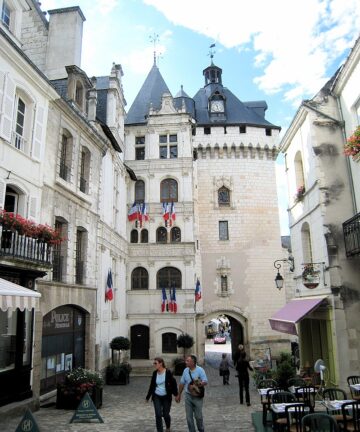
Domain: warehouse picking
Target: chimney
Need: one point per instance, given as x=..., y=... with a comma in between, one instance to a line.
x=64, y=41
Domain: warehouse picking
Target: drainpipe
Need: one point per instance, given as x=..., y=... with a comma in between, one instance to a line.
x=351, y=183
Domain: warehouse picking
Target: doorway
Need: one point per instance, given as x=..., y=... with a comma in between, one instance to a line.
x=139, y=348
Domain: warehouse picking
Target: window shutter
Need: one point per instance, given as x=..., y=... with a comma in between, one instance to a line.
x=32, y=207
x=2, y=83
x=7, y=108
x=38, y=132
x=2, y=193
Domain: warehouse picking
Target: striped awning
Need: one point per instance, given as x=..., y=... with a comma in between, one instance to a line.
x=14, y=296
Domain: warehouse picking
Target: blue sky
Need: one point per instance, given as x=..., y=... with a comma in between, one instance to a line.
x=281, y=51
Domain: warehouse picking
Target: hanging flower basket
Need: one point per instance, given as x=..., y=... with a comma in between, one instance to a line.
x=310, y=277
x=300, y=193
x=352, y=146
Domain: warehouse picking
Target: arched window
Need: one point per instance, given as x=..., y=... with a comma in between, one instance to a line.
x=175, y=234
x=224, y=197
x=139, y=279
x=168, y=277
x=299, y=171
x=134, y=236
x=168, y=190
x=169, y=343
x=140, y=191
x=161, y=235
x=144, y=236
x=306, y=243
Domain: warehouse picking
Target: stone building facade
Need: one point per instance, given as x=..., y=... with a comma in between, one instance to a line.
x=323, y=217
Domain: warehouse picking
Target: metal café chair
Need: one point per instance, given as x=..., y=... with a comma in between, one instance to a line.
x=319, y=422
x=296, y=382
x=294, y=415
x=279, y=419
x=351, y=409
x=306, y=395
x=263, y=384
x=333, y=393
x=354, y=379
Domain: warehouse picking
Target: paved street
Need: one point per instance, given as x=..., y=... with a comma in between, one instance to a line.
x=124, y=409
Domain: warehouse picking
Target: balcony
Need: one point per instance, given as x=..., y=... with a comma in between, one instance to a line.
x=16, y=246
x=351, y=230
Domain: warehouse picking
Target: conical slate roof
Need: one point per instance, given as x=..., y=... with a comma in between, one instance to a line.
x=151, y=92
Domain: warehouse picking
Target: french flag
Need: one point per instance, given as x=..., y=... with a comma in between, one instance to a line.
x=197, y=291
x=133, y=212
x=109, y=287
x=172, y=213
x=163, y=301
x=166, y=211
x=144, y=212
x=173, y=300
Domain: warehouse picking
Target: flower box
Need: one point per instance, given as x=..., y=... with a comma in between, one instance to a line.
x=68, y=397
x=310, y=277
x=352, y=146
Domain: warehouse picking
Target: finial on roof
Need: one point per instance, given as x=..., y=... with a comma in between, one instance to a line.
x=212, y=52
x=154, y=39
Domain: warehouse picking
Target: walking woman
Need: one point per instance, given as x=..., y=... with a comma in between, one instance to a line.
x=162, y=387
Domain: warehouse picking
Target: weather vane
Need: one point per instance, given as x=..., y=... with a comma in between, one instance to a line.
x=154, y=39
x=212, y=52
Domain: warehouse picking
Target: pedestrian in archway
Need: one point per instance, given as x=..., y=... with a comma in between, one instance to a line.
x=243, y=367
x=162, y=386
x=240, y=350
x=224, y=369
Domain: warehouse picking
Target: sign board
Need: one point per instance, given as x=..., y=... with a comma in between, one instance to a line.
x=28, y=423
x=86, y=411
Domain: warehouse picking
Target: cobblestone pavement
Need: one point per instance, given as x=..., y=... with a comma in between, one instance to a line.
x=124, y=410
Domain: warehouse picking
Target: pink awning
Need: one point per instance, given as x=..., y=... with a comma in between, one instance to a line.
x=285, y=319
x=14, y=296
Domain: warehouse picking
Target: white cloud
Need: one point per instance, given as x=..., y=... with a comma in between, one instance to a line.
x=295, y=41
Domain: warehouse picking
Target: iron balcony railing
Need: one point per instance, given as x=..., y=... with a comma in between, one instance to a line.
x=83, y=184
x=351, y=230
x=15, y=245
x=18, y=141
x=64, y=171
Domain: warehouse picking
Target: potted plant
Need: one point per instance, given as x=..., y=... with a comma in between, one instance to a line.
x=300, y=193
x=285, y=370
x=352, y=146
x=118, y=372
x=310, y=276
x=183, y=341
x=179, y=366
x=77, y=382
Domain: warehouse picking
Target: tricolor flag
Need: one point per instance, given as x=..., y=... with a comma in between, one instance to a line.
x=133, y=214
x=173, y=300
x=166, y=211
x=172, y=215
x=164, y=303
x=197, y=291
x=144, y=212
x=109, y=287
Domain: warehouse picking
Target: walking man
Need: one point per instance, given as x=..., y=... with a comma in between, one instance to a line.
x=193, y=380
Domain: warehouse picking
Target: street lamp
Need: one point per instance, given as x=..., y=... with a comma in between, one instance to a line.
x=279, y=280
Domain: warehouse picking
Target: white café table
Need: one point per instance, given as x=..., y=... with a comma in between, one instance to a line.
x=293, y=389
x=279, y=408
x=263, y=391
x=355, y=387
x=335, y=405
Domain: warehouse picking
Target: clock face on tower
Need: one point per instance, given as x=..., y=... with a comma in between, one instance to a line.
x=217, y=106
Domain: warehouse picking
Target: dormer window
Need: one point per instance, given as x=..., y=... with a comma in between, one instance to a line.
x=79, y=95
x=5, y=14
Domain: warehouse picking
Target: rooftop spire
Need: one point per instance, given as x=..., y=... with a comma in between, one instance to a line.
x=154, y=39
x=212, y=52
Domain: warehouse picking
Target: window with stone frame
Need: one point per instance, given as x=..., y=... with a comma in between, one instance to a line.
x=22, y=132
x=144, y=236
x=139, y=191
x=60, y=251
x=7, y=15
x=66, y=150
x=169, y=190
x=168, y=277
x=161, y=235
x=223, y=230
x=224, y=285
x=139, y=279
x=168, y=146
x=224, y=197
x=79, y=95
x=175, y=235
x=140, y=148
x=84, y=170
x=169, y=345
x=80, y=254
x=134, y=236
